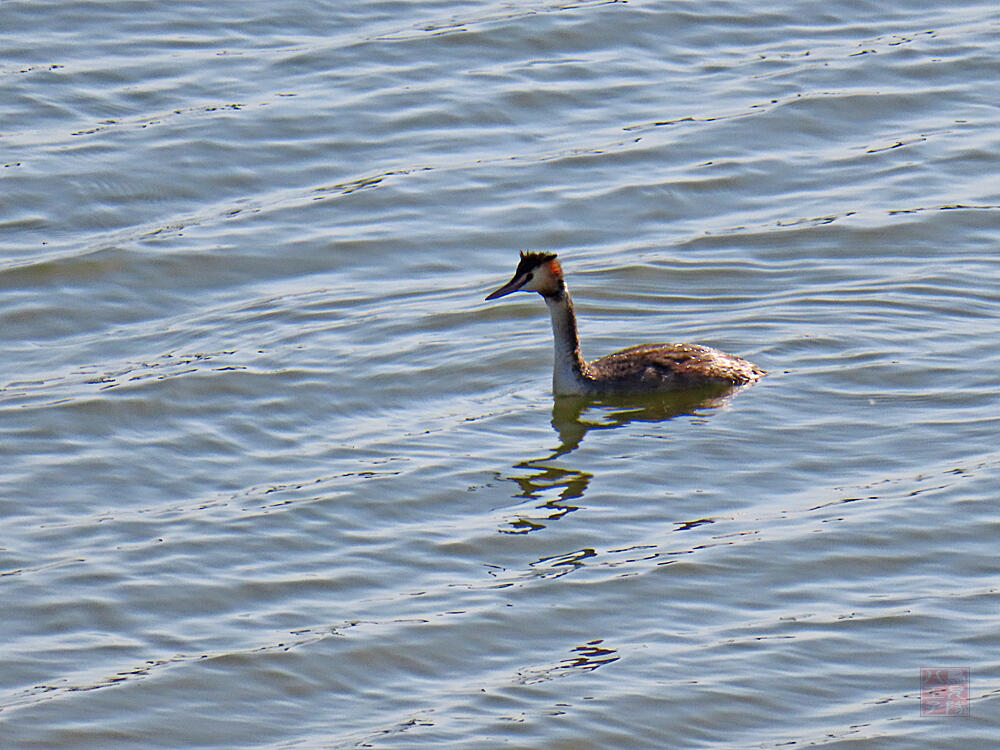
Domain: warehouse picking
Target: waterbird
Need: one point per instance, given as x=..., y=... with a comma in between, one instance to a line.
x=647, y=368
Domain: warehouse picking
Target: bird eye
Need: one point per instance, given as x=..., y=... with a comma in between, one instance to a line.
x=529, y=277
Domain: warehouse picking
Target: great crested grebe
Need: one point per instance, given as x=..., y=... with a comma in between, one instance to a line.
x=638, y=369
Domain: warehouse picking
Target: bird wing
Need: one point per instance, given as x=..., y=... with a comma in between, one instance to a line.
x=677, y=365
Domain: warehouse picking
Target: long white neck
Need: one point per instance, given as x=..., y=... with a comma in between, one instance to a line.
x=569, y=374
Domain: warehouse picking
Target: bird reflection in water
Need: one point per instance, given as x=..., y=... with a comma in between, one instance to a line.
x=542, y=482
x=572, y=421
x=572, y=418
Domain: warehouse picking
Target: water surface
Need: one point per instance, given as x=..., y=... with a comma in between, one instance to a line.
x=275, y=475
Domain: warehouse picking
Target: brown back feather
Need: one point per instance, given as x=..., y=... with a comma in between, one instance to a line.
x=674, y=365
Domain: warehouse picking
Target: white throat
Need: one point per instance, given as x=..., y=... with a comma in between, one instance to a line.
x=569, y=370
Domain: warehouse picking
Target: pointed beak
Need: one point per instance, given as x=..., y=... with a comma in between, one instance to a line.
x=511, y=286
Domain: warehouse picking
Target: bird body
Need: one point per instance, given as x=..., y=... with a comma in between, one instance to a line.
x=638, y=369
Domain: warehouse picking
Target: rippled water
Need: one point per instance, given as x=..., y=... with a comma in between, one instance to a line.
x=275, y=475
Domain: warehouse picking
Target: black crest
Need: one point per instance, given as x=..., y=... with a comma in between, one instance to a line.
x=531, y=261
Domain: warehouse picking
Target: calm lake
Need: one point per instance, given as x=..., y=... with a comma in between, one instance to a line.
x=275, y=475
